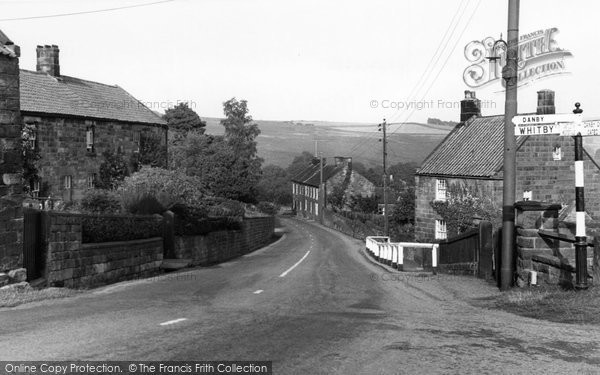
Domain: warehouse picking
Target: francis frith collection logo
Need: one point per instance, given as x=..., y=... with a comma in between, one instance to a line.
x=539, y=57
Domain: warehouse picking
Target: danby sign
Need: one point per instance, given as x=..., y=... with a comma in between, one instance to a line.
x=539, y=57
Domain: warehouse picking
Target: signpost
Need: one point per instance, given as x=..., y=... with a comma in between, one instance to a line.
x=567, y=125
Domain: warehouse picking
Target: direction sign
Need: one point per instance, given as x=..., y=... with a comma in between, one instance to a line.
x=546, y=124
x=522, y=120
x=584, y=128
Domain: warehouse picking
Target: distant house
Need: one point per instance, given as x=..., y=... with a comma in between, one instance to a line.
x=337, y=177
x=73, y=121
x=472, y=156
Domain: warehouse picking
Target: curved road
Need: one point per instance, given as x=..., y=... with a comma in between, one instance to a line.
x=311, y=303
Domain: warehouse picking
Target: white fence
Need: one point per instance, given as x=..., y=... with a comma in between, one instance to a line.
x=392, y=253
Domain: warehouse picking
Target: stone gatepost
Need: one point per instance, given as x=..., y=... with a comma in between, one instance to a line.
x=11, y=189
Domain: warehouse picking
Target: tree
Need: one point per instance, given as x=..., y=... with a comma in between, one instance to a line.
x=366, y=205
x=113, y=170
x=404, y=211
x=300, y=163
x=274, y=185
x=152, y=153
x=182, y=118
x=240, y=131
x=404, y=175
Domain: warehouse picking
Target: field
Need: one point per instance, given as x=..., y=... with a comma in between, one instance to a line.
x=280, y=141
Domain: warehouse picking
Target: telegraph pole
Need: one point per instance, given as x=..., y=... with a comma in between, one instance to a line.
x=382, y=127
x=509, y=73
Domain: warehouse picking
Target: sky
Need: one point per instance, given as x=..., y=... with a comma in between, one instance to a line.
x=347, y=61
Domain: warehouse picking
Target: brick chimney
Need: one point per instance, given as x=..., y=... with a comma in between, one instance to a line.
x=470, y=106
x=47, y=60
x=343, y=161
x=545, y=103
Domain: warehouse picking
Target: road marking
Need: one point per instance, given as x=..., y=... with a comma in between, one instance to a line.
x=259, y=291
x=295, y=265
x=173, y=321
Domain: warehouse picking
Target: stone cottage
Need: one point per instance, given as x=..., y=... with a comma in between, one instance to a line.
x=340, y=175
x=71, y=122
x=471, y=158
x=74, y=121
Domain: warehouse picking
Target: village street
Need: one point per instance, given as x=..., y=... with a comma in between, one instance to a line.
x=311, y=303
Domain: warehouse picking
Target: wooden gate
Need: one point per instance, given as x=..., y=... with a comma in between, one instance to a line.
x=33, y=252
x=470, y=252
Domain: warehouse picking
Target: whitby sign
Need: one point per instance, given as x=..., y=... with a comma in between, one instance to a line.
x=539, y=56
x=560, y=124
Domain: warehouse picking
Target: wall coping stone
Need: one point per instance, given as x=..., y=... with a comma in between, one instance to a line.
x=101, y=245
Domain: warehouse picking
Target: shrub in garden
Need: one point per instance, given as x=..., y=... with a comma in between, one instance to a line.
x=194, y=220
x=107, y=228
x=100, y=201
x=268, y=208
x=167, y=186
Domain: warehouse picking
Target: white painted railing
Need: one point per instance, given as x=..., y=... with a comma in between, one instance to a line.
x=392, y=253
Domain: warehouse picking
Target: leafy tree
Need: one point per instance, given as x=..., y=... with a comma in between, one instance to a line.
x=274, y=185
x=152, y=153
x=31, y=155
x=367, y=205
x=404, y=211
x=113, y=170
x=337, y=198
x=182, y=118
x=300, y=163
x=404, y=175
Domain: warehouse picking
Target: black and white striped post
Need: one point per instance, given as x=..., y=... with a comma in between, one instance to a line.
x=580, y=236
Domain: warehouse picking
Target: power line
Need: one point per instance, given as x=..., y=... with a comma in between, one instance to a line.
x=445, y=61
x=84, y=12
x=443, y=42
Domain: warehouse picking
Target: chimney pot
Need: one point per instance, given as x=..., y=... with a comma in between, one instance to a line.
x=470, y=106
x=47, y=60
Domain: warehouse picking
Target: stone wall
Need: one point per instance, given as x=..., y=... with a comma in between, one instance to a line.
x=11, y=213
x=220, y=246
x=63, y=151
x=72, y=264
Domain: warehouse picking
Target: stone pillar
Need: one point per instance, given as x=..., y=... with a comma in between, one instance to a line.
x=11, y=189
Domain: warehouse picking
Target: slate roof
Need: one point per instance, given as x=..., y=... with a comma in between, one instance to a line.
x=475, y=150
x=63, y=95
x=312, y=176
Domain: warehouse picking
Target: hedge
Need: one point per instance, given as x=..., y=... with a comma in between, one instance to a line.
x=107, y=228
x=193, y=221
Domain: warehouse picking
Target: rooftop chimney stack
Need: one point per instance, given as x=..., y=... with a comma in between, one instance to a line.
x=545, y=104
x=47, y=60
x=470, y=106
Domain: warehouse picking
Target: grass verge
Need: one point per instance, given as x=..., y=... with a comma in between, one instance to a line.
x=15, y=297
x=553, y=303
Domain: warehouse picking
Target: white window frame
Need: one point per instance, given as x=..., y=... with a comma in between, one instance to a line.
x=68, y=182
x=91, y=181
x=441, y=232
x=441, y=190
x=137, y=141
x=35, y=191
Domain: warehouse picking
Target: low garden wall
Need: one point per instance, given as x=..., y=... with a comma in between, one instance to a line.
x=220, y=246
x=74, y=264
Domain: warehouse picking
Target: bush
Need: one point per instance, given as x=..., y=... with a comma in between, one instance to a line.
x=100, y=201
x=107, y=228
x=268, y=208
x=192, y=221
x=168, y=187
x=222, y=207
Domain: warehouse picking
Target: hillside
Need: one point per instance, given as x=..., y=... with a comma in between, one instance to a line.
x=280, y=141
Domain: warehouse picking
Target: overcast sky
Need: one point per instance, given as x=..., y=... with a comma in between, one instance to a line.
x=305, y=59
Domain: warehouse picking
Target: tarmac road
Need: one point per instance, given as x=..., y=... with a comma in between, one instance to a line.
x=311, y=303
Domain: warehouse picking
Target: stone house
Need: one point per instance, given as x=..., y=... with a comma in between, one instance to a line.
x=305, y=185
x=471, y=156
x=74, y=121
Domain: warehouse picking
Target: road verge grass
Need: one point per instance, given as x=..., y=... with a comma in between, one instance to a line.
x=18, y=296
x=553, y=303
